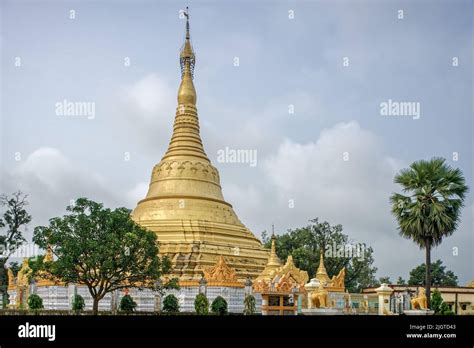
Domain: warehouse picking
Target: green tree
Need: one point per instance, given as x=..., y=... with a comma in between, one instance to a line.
x=305, y=245
x=201, y=304
x=401, y=281
x=170, y=304
x=35, y=302
x=445, y=309
x=101, y=248
x=14, y=220
x=219, y=306
x=436, y=301
x=431, y=208
x=127, y=304
x=249, y=305
x=385, y=280
x=15, y=267
x=78, y=303
x=438, y=305
x=439, y=275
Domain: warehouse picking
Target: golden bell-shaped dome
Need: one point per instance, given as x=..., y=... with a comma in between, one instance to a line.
x=186, y=92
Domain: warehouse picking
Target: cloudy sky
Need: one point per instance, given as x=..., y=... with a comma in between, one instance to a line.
x=332, y=62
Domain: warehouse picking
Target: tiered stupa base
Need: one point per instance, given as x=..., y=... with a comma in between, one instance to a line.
x=193, y=246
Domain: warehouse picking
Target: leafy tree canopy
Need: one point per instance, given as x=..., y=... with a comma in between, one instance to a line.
x=101, y=248
x=439, y=275
x=401, y=281
x=305, y=245
x=12, y=223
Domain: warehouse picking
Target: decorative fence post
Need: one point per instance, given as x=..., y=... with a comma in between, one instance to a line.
x=384, y=293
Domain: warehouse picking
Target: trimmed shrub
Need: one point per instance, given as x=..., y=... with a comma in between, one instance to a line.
x=249, y=305
x=78, y=303
x=437, y=304
x=170, y=304
x=127, y=304
x=219, y=306
x=436, y=301
x=201, y=304
x=35, y=302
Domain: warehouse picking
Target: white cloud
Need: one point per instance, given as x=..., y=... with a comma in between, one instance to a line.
x=320, y=180
x=52, y=180
x=151, y=96
x=353, y=192
x=137, y=193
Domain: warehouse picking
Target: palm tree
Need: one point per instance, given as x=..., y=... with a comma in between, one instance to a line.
x=431, y=209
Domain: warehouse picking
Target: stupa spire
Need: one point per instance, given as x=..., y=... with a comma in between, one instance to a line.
x=187, y=60
x=321, y=273
x=273, y=260
x=186, y=140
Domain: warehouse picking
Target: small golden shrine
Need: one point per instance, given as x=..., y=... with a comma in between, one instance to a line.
x=273, y=264
x=280, y=286
x=286, y=278
x=23, y=276
x=21, y=283
x=334, y=284
x=321, y=286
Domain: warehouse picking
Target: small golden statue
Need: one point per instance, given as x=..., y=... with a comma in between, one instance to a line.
x=319, y=298
x=419, y=302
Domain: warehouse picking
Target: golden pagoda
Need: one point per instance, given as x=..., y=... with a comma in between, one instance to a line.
x=321, y=273
x=334, y=284
x=184, y=204
x=273, y=265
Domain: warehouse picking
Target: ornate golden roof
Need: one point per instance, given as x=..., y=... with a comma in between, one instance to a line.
x=284, y=279
x=290, y=270
x=221, y=274
x=471, y=284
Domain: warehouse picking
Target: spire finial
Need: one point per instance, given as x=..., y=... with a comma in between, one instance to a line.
x=187, y=22
x=187, y=59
